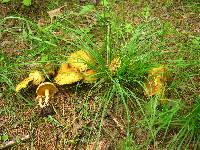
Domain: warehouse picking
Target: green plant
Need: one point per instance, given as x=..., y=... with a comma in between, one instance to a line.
x=5, y=1
x=53, y=121
x=189, y=129
x=146, y=12
x=127, y=144
x=158, y=119
x=86, y=9
x=25, y=2
x=4, y=137
x=169, y=3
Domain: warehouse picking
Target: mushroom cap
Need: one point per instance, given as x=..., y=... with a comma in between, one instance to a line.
x=155, y=87
x=88, y=76
x=23, y=84
x=79, y=60
x=40, y=91
x=37, y=76
x=156, y=83
x=68, y=77
x=64, y=67
x=157, y=71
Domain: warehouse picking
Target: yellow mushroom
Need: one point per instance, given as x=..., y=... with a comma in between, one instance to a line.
x=36, y=77
x=156, y=83
x=45, y=91
x=79, y=59
x=64, y=67
x=23, y=84
x=67, y=75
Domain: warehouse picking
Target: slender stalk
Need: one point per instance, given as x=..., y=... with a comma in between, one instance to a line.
x=46, y=96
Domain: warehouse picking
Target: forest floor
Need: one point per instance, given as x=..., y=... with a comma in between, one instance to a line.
x=103, y=114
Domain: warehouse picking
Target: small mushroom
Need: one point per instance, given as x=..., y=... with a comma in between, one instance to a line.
x=67, y=75
x=45, y=90
x=156, y=83
x=158, y=72
x=23, y=84
x=155, y=86
x=79, y=59
x=36, y=77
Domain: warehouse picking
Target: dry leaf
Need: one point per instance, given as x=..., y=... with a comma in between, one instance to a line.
x=104, y=144
x=79, y=60
x=163, y=101
x=41, y=22
x=56, y=12
x=58, y=33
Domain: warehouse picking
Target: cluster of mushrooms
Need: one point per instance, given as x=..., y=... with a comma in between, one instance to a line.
x=75, y=69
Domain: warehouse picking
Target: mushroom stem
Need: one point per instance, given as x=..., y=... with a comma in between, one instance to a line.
x=46, y=96
x=40, y=102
